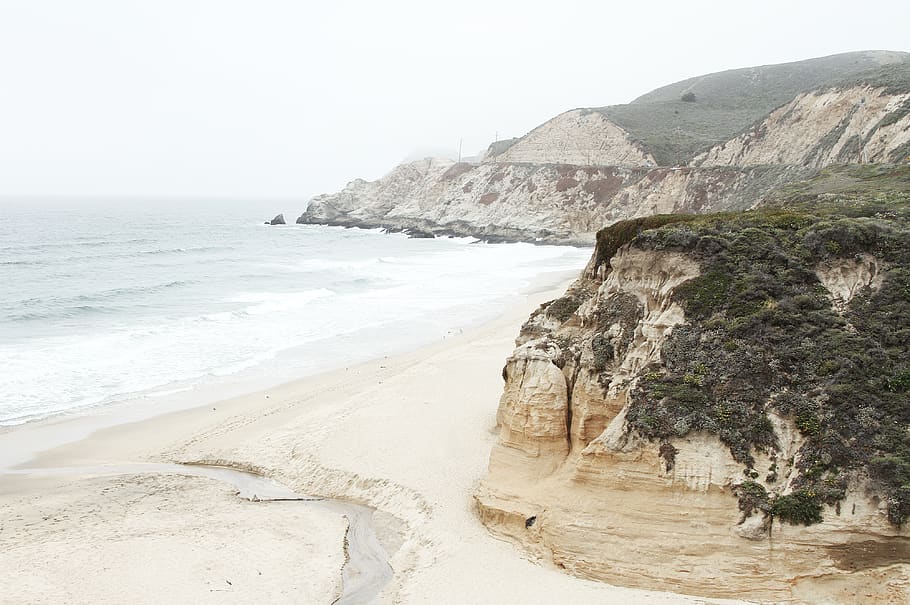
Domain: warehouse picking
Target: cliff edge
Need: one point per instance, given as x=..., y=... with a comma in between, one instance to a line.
x=720, y=404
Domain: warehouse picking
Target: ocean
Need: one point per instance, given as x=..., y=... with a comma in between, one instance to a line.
x=105, y=301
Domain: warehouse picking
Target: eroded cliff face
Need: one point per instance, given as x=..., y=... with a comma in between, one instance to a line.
x=843, y=278
x=557, y=203
x=860, y=124
x=572, y=484
x=581, y=137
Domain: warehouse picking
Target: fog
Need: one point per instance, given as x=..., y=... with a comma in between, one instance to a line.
x=290, y=99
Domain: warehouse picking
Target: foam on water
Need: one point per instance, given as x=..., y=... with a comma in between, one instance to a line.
x=112, y=301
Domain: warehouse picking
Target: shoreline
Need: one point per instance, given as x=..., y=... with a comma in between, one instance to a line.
x=21, y=442
x=408, y=435
x=422, y=228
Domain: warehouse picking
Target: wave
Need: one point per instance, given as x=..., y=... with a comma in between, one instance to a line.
x=96, y=302
x=160, y=318
x=93, y=243
x=69, y=258
x=190, y=250
x=322, y=264
x=277, y=302
x=30, y=263
x=66, y=313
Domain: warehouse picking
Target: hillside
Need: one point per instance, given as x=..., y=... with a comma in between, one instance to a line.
x=669, y=126
x=725, y=103
x=543, y=203
x=743, y=134
x=738, y=380
x=856, y=123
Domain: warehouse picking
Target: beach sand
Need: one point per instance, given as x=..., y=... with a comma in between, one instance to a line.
x=408, y=435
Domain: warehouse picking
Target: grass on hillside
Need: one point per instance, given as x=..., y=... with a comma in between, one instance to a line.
x=727, y=103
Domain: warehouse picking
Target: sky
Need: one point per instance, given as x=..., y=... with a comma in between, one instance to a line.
x=282, y=99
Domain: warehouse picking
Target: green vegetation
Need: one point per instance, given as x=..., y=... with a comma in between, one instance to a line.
x=676, y=131
x=761, y=335
x=562, y=309
x=675, y=126
x=799, y=508
x=752, y=496
x=603, y=352
x=668, y=453
x=895, y=78
x=617, y=235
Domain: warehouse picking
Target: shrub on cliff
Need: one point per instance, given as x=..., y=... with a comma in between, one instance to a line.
x=562, y=309
x=799, y=508
x=762, y=335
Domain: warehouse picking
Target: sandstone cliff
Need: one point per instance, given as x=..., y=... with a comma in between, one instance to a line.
x=718, y=406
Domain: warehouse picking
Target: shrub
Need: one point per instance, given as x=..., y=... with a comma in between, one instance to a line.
x=612, y=238
x=899, y=382
x=603, y=352
x=706, y=293
x=752, y=496
x=760, y=332
x=799, y=508
x=668, y=453
x=562, y=309
x=899, y=506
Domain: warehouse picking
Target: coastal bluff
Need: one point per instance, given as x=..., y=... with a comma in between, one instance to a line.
x=723, y=141
x=718, y=406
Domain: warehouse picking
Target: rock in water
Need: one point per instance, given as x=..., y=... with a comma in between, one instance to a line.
x=278, y=220
x=419, y=233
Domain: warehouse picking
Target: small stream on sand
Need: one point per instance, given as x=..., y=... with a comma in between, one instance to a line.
x=367, y=568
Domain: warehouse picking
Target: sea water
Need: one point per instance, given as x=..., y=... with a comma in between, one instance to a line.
x=115, y=300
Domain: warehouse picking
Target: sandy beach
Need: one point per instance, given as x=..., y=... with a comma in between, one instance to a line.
x=409, y=436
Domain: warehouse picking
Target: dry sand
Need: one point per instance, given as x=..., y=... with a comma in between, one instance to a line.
x=408, y=435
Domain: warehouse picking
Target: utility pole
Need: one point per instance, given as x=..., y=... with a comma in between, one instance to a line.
x=460, y=141
x=678, y=145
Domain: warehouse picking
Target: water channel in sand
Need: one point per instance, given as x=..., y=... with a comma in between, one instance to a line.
x=367, y=568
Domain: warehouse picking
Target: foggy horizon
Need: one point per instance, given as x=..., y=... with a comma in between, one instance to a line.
x=280, y=101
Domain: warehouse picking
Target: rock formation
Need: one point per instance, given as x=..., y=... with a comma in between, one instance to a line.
x=278, y=220
x=546, y=203
x=587, y=168
x=860, y=124
x=671, y=423
x=582, y=137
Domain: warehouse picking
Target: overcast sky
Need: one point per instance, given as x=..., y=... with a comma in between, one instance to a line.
x=274, y=98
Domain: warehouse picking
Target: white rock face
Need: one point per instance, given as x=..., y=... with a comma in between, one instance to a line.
x=582, y=137
x=651, y=278
x=544, y=202
x=834, y=126
x=579, y=172
x=843, y=278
